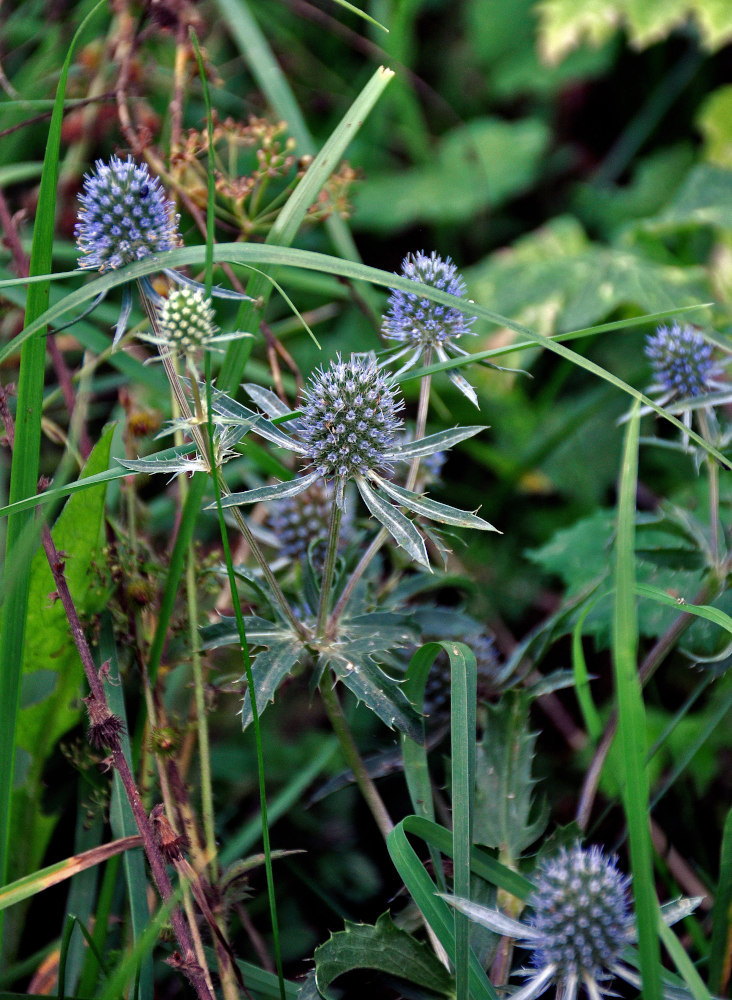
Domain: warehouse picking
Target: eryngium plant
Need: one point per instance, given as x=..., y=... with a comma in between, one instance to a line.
x=349, y=432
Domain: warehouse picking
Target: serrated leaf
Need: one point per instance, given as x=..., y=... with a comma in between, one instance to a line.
x=399, y=527
x=269, y=669
x=428, y=445
x=259, y=632
x=385, y=948
x=278, y=491
x=225, y=406
x=434, y=510
x=375, y=689
x=504, y=783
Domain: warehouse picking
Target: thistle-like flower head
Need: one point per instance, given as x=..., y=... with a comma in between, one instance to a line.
x=418, y=320
x=682, y=361
x=582, y=913
x=350, y=419
x=187, y=320
x=124, y=216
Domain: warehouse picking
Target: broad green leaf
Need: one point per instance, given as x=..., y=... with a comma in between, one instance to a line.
x=704, y=199
x=385, y=948
x=467, y=175
x=52, y=674
x=557, y=279
x=714, y=120
x=504, y=796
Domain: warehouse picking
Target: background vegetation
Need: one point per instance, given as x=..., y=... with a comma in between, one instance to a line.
x=575, y=161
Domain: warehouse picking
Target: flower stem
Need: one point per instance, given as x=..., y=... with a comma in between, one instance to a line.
x=713, y=489
x=331, y=553
x=353, y=757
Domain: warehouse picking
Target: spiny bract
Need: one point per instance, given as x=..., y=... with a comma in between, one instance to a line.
x=124, y=216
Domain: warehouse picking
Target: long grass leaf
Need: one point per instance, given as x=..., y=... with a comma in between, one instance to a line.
x=720, y=956
x=281, y=256
x=463, y=693
x=26, y=456
x=632, y=720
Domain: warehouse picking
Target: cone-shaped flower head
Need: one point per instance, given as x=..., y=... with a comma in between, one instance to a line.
x=582, y=913
x=349, y=419
x=124, y=216
x=421, y=321
x=187, y=320
x=682, y=361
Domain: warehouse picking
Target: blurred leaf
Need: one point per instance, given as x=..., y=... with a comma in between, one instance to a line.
x=467, y=175
x=714, y=120
x=504, y=782
x=704, y=199
x=52, y=674
x=566, y=24
x=556, y=279
x=383, y=947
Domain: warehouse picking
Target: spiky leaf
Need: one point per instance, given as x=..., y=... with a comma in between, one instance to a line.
x=504, y=782
x=269, y=669
x=382, y=947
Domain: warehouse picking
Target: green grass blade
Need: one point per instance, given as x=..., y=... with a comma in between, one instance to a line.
x=721, y=950
x=281, y=256
x=437, y=913
x=683, y=963
x=463, y=693
x=632, y=721
x=592, y=720
x=25, y=462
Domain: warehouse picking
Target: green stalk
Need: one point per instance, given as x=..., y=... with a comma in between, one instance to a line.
x=330, y=560
x=713, y=490
x=353, y=758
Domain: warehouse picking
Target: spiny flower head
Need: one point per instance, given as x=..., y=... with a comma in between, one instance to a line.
x=349, y=419
x=682, y=361
x=124, y=216
x=187, y=320
x=581, y=913
x=421, y=321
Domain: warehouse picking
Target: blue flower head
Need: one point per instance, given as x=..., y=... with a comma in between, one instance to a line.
x=421, y=321
x=349, y=419
x=582, y=914
x=422, y=326
x=682, y=361
x=124, y=216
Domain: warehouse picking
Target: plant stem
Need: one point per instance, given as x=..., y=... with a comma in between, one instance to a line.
x=713, y=488
x=331, y=553
x=353, y=757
